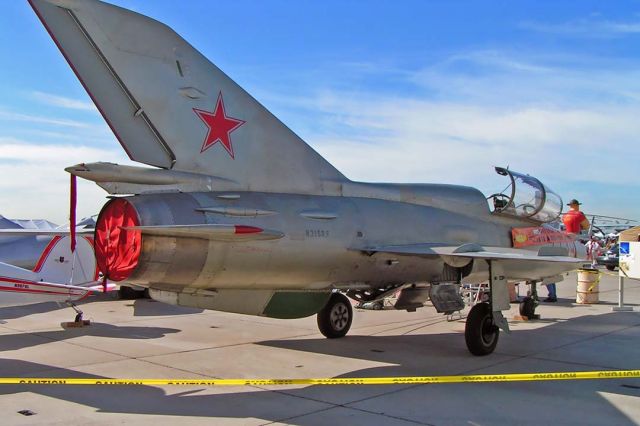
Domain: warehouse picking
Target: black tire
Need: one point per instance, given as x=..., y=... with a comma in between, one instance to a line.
x=128, y=293
x=611, y=267
x=480, y=333
x=334, y=320
x=528, y=307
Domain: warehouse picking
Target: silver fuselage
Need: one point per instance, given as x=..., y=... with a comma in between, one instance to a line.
x=324, y=238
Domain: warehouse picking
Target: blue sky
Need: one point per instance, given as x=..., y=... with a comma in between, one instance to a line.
x=411, y=91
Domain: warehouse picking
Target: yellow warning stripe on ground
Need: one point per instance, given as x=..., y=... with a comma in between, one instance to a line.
x=572, y=375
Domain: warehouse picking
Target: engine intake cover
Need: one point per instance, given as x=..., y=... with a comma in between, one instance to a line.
x=117, y=249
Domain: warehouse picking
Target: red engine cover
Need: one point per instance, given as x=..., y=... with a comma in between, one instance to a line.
x=117, y=249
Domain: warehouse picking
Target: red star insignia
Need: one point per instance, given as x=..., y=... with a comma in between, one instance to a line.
x=219, y=126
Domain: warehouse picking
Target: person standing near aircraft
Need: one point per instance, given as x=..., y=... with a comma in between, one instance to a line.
x=574, y=220
x=593, y=251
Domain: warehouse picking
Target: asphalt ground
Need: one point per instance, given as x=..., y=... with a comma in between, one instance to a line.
x=147, y=339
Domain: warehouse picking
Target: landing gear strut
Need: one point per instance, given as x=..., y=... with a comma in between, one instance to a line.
x=78, y=321
x=334, y=320
x=79, y=313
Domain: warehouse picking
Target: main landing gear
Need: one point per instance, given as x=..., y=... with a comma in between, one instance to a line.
x=480, y=332
x=530, y=303
x=334, y=320
x=485, y=320
x=482, y=328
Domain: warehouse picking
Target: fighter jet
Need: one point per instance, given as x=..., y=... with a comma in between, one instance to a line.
x=239, y=214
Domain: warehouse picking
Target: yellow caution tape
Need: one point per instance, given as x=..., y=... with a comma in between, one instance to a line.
x=572, y=375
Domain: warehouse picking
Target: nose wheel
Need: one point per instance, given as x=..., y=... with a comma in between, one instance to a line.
x=334, y=320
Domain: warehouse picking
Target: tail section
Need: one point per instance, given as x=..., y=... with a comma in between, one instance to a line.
x=58, y=265
x=172, y=108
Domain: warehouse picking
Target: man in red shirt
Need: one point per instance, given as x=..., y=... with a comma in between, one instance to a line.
x=574, y=220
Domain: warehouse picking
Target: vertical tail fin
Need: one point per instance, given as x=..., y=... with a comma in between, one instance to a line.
x=172, y=108
x=58, y=264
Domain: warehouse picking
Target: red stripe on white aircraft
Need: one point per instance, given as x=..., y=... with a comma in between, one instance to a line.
x=46, y=252
x=35, y=287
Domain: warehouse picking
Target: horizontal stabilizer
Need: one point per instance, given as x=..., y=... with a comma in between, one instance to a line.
x=118, y=179
x=110, y=172
x=209, y=232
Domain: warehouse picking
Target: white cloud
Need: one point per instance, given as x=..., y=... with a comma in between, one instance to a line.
x=572, y=126
x=63, y=102
x=425, y=141
x=593, y=27
x=15, y=116
x=39, y=186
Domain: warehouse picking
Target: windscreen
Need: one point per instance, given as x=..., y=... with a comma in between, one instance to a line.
x=527, y=197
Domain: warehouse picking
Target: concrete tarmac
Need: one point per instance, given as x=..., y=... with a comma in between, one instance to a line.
x=147, y=339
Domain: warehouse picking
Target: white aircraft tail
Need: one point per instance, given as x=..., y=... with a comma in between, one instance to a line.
x=59, y=275
x=58, y=265
x=172, y=108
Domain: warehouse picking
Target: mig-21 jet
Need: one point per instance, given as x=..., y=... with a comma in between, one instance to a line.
x=238, y=214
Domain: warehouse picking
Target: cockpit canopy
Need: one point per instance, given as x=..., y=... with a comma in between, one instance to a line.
x=526, y=197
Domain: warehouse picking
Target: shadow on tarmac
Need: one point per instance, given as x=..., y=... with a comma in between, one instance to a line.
x=13, y=312
x=150, y=307
x=11, y=342
x=141, y=307
x=405, y=355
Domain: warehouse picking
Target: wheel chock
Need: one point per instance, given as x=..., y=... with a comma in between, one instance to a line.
x=76, y=324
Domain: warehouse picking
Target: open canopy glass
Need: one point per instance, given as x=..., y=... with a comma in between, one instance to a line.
x=526, y=197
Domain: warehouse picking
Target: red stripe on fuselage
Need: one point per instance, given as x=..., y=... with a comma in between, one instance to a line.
x=46, y=252
x=29, y=282
x=32, y=291
x=59, y=290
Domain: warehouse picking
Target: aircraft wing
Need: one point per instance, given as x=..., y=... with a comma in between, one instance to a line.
x=475, y=251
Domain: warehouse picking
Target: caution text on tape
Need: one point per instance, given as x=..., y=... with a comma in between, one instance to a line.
x=573, y=375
